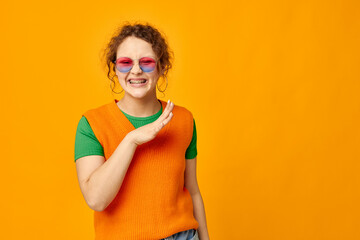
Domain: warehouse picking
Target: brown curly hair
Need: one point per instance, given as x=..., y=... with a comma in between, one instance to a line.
x=143, y=31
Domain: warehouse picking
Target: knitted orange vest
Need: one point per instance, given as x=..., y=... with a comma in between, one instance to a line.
x=152, y=202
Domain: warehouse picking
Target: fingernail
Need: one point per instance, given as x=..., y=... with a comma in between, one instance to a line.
x=168, y=100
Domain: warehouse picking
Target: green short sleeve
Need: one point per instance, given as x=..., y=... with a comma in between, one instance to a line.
x=86, y=142
x=191, y=151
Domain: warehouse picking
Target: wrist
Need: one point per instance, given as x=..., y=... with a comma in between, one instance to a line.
x=130, y=139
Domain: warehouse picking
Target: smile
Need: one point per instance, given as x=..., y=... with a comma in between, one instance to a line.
x=138, y=82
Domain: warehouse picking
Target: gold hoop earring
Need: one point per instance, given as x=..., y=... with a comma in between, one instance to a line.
x=114, y=85
x=165, y=87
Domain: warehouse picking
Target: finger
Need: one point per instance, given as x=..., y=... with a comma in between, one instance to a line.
x=169, y=107
x=166, y=121
x=159, y=127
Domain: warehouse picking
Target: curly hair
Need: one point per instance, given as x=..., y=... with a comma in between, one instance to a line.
x=143, y=31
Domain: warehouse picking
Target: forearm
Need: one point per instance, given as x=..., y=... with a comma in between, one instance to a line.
x=104, y=183
x=199, y=214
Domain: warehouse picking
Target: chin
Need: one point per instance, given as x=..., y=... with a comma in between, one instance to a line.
x=139, y=94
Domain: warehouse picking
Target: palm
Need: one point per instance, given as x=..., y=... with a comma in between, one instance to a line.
x=149, y=131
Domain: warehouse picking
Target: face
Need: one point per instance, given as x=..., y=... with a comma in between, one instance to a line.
x=136, y=48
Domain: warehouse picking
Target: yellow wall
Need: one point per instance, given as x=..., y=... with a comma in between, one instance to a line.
x=273, y=86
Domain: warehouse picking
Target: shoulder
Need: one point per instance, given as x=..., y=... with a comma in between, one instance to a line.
x=84, y=128
x=182, y=110
x=183, y=117
x=183, y=123
x=83, y=123
x=99, y=109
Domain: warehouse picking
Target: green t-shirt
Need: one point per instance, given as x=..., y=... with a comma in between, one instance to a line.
x=87, y=144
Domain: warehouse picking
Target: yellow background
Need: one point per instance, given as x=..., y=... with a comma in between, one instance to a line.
x=273, y=87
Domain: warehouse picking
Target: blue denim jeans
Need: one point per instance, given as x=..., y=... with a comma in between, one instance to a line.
x=191, y=234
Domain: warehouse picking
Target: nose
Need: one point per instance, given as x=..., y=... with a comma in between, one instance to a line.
x=136, y=68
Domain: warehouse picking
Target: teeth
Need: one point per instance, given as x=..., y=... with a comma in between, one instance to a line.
x=137, y=81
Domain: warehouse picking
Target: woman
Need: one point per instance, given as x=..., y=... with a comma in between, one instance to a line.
x=136, y=157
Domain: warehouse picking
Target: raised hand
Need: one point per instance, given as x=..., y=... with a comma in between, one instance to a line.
x=149, y=131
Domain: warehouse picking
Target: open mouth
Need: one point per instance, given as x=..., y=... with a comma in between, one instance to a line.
x=137, y=81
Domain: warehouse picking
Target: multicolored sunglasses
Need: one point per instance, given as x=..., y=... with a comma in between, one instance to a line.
x=125, y=64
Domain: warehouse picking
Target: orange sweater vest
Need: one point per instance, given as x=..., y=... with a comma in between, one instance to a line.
x=152, y=202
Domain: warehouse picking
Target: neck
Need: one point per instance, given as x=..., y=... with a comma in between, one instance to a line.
x=139, y=107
